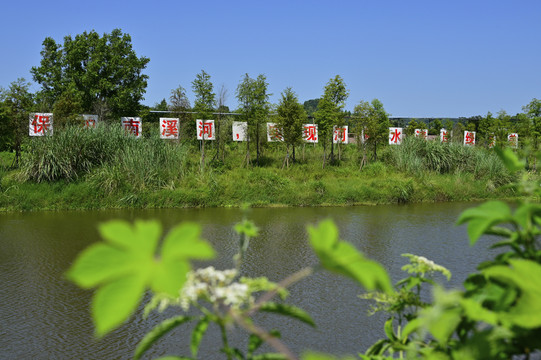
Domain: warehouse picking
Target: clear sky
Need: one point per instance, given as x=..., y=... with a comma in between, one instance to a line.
x=420, y=58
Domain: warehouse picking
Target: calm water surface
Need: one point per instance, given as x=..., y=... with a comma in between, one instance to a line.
x=43, y=316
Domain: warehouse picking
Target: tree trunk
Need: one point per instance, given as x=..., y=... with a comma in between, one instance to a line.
x=203, y=153
x=257, y=143
x=247, y=158
x=324, y=155
x=293, y=155
x=363, y=160
x=332, y=150
x=286, y=158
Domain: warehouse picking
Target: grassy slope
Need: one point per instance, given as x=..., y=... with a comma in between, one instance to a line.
x=303, y=184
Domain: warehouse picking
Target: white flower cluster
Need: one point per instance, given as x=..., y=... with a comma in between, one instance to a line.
x=421, y=265
x=215, y=286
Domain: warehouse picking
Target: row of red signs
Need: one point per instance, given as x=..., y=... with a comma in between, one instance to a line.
x=42, y=124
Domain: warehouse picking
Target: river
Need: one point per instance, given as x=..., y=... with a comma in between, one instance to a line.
x=44, y=316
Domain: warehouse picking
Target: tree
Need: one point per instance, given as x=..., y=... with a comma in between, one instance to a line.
x=161, y=106
x=379, y=130
x=220, y=118
x=180, y=106
x=374, y=123
x=361, y=120
x=310, y=106
x=254, y=106
x=412, y=125
x=205, y=101
x=290, y=119
x=502, y=127
x=330, y=112
x=485, y=132
x=435, y=126
x=104, y=71
x=18, y=103
x=533, y=112
x=68, y=107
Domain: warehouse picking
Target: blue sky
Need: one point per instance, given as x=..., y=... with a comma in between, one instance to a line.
x=420, y=58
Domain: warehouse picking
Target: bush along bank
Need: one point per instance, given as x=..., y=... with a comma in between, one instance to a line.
x=80, y=169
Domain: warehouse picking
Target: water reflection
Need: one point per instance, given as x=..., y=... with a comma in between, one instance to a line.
x=44, y=316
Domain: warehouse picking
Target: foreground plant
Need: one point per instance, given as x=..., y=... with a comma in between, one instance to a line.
x=498, y=315
x=129, y=262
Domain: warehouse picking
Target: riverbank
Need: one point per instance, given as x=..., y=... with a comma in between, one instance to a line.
x=93, y=170
x=376, y=184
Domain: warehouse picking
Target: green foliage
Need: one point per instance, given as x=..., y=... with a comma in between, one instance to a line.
x=205, y=98
x=290, y=119
x=342, y=258
x=418, y=156
x=254, y=106
x=72, y=152
x=497, y=316
x=372, y=120
x=123, y=266
x=104, y=72
x=17, y=102
x=330, y=108
x=310, y=106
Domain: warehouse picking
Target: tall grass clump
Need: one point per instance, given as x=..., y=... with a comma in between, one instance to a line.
x=71, y=152
x=416, y=155
x=149, y=163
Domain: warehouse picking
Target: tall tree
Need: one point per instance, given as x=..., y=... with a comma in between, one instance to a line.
x=330, y=111
x=412, y=125
x=18, y=102
x=220, y=118
x=254, y=106
x=205, y=101
x=181, y=108
x=379, y=129
x=362, y=116
x=105, y=71
x=290, y=118
x=533, y=112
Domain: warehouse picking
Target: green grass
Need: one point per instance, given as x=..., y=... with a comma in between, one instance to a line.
x=109, y=170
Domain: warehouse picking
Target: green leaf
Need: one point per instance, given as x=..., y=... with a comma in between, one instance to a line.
x=142, y=237
x=412, y=326
x=255, y=342
x=376, y=348
x=184, y=242
x=288, y=310
x=126, y=264
x=169, y=276
x=99, y=263
x=198, y=333
x=247, y=227
x=344, y=259
x=114, y=302
x=389, y=331
x=157, y=332
x=476, y=312
x=175, y=358
x=510, y=159
x=526, y=276
x=525, y=214
x=481, y=219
